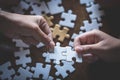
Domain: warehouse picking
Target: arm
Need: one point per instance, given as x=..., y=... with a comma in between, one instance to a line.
x=31, y=29
x=99, y=44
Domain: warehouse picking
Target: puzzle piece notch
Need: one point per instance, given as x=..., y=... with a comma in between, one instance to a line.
x=61, y=33
x=49, y=19
x=56, y=55
x=95, y=11
x=62, y=70
x=23, y=58
x=55, y=6
x=90, y=26
x=24, y=74
x=70, y=54
x=40, y=70
x=68, y=18
x=6, y=72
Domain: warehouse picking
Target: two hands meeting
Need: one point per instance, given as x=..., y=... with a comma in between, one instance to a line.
x=93, y=45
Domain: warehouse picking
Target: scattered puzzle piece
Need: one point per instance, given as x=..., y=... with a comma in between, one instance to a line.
x=55, y=6
x=62, y=70
x=23, y=58
x=90, y=26
x=6, y=71
x=61, y=33
x=24, y=74
x=48, y=19
x=68, y=18
x=40, y=70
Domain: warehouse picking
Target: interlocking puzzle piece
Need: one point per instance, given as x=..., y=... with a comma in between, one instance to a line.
x=20, y=43
x=55, y=6
x=86, y=2
x=95, y=12
x=62, y=34
x=56, y=55
x=70, y=54
x=73, y=37
x=40, y=70
x=62, y=70
x=6, y=71
x=24, y=74
x=90, y=26
x=48, y=19
x=39, y=10
x=23, y=57
x=68, y=18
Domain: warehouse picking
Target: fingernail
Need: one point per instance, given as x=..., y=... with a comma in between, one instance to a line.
x=51, y=46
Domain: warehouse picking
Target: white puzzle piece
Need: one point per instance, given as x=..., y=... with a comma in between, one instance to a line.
x=68, y=18
x=86, y=2
x=23, y=58
x=6, y=72
x=40, y=70
x=55, y=6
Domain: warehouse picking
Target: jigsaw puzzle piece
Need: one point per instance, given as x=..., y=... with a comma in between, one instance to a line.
x=23, y=58
x=55, y=6
x=90, y=26
x=86, y=2
x=61, y=33
x=40, y=70
x=62, y=70
x=6, y=71
x=49, y=19
x=24, y=74
x=68, y=18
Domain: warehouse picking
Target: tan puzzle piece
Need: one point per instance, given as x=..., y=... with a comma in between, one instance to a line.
x=49, y=19
x=61, y=33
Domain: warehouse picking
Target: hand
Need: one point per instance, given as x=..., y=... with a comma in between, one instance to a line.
x=31, y=29
x=97, y=44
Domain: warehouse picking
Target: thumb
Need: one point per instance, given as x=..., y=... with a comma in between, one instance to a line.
x=91, y=48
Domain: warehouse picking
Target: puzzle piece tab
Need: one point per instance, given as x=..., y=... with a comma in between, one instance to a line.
x=62, y=34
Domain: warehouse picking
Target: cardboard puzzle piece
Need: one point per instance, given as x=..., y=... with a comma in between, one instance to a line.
x=23, y=57
x=56, y=55
x=90, y=26
x=62, y=70
x=6, y=71
x=20, y=43
x=40, y=70
x=62, y=34
x=70, y=54
x=95, y=11
x=68, y=18
x=55, y=6
x=86, y=2
x=71, y=42
x=49, y=19
x=41, y=9
x=24, y=74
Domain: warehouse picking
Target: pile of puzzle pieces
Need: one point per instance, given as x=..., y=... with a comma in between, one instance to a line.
x=62, y=55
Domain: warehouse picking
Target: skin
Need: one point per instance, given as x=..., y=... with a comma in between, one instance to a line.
x=31, y=29
x=95, y=44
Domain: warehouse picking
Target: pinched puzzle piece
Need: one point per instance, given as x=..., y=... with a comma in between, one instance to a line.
x=62, y=70
x=68, y=18
x=56, y=55
x=62, y=34
x=24, y=74
x=86, y=2
x=39, y=10
x=55, y=6
x=6, y=71
x=70, y=54
x=48, y=19
x=40, y=70
x=23, y=57
x=95, y=12
x=90, y=26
